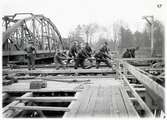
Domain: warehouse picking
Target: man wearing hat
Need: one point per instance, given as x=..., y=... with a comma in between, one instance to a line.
x=31, y=53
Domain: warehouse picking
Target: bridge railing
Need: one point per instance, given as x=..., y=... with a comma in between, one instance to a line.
x=155, y=90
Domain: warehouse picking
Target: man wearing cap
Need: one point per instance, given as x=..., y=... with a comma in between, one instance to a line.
x=31, y=53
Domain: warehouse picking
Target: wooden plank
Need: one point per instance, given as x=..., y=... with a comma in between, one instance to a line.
x=84, y=102
x=68, y=80
x=132, y=99
x=40, y=90
x=6, y=53
x=120, y=103
x=25, y=112
x=140, y=59
x=128, y=104
x=148, y=74
x=74, y=106
x=47, y=99
x=101, y=109
x=146, y=81
x=97, y=102
x=156, y=90
x=59, y=78
x=52, y=71
x=114, y=107
x=136, y=85
x=5, y=95
x=110, y=105
x=91, y=104
x=7, y=112
x=141, y=102
x=140, y=89
x=151, y=69
x=40, y=108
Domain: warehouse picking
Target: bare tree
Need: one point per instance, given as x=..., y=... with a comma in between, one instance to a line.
x=89, y=30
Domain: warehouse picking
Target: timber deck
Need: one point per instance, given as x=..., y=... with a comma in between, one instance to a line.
x=96, y=92
x=98, y=97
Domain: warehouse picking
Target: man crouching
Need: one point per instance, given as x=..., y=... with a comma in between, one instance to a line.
x=100, y=56
x=59, y=59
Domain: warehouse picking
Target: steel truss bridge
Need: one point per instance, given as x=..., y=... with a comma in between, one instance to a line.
x=19, y=30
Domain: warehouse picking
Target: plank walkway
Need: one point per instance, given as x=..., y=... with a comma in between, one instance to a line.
x=102, y=100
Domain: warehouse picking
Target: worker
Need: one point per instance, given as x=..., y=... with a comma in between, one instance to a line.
x=72, y=53
x=130, y=53
x=31, y=53
x=100, y=56
x=88, y=50
x=59, y=58
x=105, y=48
x=78, y=46
x=133, y=50
x=126, y=54
x=80, y=58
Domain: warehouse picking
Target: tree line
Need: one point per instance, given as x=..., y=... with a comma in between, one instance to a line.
x=119, y=36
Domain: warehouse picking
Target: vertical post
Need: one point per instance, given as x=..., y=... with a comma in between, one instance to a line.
x=152, y=36
x=42, y=34
x=22, y=37
x=151, y=23
x=33, y=24
x=48, y=37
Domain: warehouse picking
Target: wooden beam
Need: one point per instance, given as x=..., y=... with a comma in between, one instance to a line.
x=40, y=108
x=148, y=74
x=151, y=69
x=141, y=102
x=40, y=90
x=47, y=99
x=13, y=53
x=129, y=106
x=5, y=95
x=140, y=89
x=68, y=80
x=7, y=112
x=149, y=84
x=63, y=77
x=132, y=99
x=73, y=105
x=140, y=59
x=137, y=85
x=66, y=71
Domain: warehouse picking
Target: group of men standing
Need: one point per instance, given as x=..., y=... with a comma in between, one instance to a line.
x=81, y=53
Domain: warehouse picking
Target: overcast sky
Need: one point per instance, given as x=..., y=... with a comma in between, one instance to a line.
x=66, y=14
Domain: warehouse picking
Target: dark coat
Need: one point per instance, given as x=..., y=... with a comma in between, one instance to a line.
x=73, y=51
x=101, y=56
